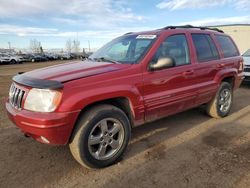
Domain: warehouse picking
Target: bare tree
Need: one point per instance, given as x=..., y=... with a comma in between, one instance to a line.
x=76, y=46
x=68, y=45
x=35, y=46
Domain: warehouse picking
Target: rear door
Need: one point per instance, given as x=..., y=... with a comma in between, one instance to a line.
x=170, y=90
x=208, y=61
x=230, y=53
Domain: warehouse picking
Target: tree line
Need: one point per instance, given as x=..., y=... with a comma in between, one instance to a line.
x=71, y=46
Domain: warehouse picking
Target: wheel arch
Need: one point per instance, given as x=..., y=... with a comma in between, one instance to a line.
x=230, y=80
x=227, y=76
x=122, y=103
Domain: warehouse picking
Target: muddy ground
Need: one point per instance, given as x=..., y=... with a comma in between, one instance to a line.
x=185, y=150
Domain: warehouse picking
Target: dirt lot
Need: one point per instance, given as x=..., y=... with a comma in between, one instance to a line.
x=185, y=150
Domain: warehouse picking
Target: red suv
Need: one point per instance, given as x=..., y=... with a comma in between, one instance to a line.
x=134, y=79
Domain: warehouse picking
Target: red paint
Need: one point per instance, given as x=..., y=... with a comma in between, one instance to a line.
x=152, y=95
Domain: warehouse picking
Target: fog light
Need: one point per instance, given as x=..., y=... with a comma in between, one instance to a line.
x=44, y=139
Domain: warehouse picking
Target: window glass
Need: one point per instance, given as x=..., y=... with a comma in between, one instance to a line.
x=174, y=47
x=205, y=47
x=227, y=46
x=118, y=51
x=127, y=49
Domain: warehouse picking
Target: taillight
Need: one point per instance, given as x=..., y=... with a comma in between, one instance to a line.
x=241, y=67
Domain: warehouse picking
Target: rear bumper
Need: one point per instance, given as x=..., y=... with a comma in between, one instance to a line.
x=55, y=127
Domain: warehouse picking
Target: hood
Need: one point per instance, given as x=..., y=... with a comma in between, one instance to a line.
x=74, y=70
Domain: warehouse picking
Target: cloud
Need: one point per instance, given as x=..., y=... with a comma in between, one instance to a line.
x=183, y=4
x=23, y=31
x=243, y=4
x=219, y=21
x=194, y=4
x=110, y=12
x=53, y=32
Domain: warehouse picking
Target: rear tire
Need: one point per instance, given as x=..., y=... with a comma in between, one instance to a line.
x=101, y=136
x=221, y=104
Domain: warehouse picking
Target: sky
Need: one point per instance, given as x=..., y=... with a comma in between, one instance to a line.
x=53, y=22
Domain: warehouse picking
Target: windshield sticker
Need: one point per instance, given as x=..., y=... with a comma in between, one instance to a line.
x=146, y=37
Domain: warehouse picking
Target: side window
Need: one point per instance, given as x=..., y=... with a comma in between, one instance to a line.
x=205, y=47
x=227, y=46
x=175, y=47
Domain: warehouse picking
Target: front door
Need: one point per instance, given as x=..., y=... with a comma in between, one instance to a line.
x=170, y=90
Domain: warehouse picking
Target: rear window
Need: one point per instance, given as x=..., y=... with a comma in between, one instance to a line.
x=227, y=46
x=205, y=47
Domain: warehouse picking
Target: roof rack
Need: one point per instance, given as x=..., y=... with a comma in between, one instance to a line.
x=193, y=27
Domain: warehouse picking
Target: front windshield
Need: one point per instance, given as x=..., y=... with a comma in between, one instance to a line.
x=247, y=53
x=127, y=49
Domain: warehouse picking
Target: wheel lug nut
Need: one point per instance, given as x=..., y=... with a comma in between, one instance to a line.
x=101, y=139
x=110, y=134
x=106, y=133
x=104, y=144
x=110, y=140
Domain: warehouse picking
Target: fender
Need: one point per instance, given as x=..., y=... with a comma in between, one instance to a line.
x=77, y=101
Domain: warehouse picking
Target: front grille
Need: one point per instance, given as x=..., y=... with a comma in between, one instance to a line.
x=246, y=69
x=16, y=96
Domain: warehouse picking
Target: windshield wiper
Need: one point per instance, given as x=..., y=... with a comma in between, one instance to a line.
x=107, y=60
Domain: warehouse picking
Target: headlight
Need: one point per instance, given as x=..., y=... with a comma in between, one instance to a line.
x=42, y=100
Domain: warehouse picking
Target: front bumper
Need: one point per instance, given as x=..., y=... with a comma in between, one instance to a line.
x=247, y=74
x=247, y=79
x=55, y=127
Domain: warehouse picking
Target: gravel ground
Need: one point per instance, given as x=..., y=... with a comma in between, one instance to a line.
x=185, y=150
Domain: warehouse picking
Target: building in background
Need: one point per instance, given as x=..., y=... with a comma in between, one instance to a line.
x=240, y=33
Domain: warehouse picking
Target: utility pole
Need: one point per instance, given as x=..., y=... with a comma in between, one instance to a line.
x=9, y=45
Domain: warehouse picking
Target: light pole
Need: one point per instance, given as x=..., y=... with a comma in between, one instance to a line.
x=89, y=45
x=9, y=45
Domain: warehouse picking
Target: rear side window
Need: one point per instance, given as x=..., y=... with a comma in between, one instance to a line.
x=227, y=46
x=205, y=47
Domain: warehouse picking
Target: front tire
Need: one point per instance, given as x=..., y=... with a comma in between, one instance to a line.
x=221, y=104
x=13, y=61
x=101, y=136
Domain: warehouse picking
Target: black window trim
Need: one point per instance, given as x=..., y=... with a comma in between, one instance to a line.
x=208, y=60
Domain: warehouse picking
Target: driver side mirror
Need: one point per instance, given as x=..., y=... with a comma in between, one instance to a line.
x=162, y=63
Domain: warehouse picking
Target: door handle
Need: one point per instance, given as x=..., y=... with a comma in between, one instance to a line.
x=220, y=66
x=188, y=73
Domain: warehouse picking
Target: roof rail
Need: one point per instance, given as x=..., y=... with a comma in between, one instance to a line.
x=193, y=27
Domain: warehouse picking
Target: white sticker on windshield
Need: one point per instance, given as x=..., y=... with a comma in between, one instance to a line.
x=146, y=37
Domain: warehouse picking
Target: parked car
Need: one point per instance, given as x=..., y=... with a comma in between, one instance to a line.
x=134, y=79
x=51, y=56
x=246, y=57
x=4, y=58
x=26, y=57
x=39, y=58
x=65, y=56
x=11, y=59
